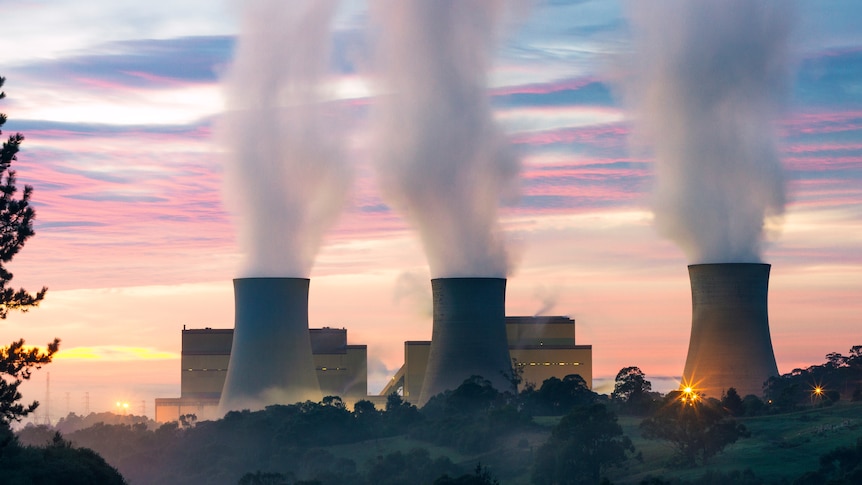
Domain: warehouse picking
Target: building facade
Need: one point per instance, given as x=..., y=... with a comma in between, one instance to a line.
x=341, y=370
x=540, y=348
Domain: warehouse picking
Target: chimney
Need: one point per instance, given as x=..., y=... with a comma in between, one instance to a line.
x=730, y=344
x=469, y=335
x=270, y=361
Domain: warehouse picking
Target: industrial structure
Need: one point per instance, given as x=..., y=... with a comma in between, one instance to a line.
x=541, y=347
x=206, y=353
x=730, y=344
x=468, y=336
x=271, y=359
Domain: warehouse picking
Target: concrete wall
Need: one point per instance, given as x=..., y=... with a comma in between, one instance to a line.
x=344, y=373
x=730, y=343
x=204, y=362
x=271, y=361
x=543, y=362
x=468, y=336
x=543, y=347
x=416, y=361
x=539, y=331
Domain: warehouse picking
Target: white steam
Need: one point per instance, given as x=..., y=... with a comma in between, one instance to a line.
x=285, y=173
x=710, y=79
x=444, y=163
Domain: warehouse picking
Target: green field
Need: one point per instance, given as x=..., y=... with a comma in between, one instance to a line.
x=780, y=447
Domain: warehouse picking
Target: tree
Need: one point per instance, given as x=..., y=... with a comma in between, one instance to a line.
x=16, y=226
x=732, y=402
x=631, y=390
x=16, y=366
x=697, y=428
x=585, y=443
x=557, y=397
x=58, y=462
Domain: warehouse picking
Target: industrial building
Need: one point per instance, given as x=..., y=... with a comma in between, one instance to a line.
x=542, y=347
x=340, y=368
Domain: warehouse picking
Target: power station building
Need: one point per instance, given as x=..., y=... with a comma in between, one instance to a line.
x=541, y=347
x=730, y=344
x=341, y=370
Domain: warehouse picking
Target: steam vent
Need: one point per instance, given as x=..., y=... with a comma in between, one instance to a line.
x=271, y=361
x=730, y=344
x=469, y=335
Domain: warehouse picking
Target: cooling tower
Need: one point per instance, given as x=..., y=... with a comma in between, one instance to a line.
x=730, y=344
x=469, y=335
x=270, y=361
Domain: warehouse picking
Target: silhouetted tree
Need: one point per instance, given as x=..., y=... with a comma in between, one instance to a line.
x=697, y=428
x=558, y=396
x=56, y=462
x=470, y=418
x=732, y=402
x=582, y=446
x=843, y=464
x=16, y=226
x=16, y=365
x=632, y=391
x=414, y=466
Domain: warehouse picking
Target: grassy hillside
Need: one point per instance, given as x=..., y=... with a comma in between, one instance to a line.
x=780, y=447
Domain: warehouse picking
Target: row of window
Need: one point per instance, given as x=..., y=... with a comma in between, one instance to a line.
x=523, y=364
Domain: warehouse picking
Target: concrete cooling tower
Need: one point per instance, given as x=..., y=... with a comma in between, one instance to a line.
x=468, y=336
x=271, y=361
x=730, y=344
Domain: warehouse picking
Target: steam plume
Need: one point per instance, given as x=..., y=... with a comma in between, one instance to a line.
x=444, y=163
x=711, y=78
x=285, y=175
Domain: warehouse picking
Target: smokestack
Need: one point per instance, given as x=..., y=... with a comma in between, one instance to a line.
x=469, y=334
x=270, y=361
x=730, y=344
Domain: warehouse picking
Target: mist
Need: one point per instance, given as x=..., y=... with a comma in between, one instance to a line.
x=443, y=162
x=710, y=79
x=285, y=173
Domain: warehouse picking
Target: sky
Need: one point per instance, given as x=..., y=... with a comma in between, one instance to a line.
x=118, y=101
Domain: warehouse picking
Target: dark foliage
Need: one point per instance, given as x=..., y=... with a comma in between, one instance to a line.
x=415, y=466
x=711, y=477
x=585, y=443
x=280, y=442
x=840, y=466
x=557, y=397
x=471, y=418
x=632, y=392
x=754, y=406
x=839, y=377
x=732, y=403
x=57, y=462
x=16, y=365
x=261, y=478
x=16, y=224
x=698, y=429
x=480, y=476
